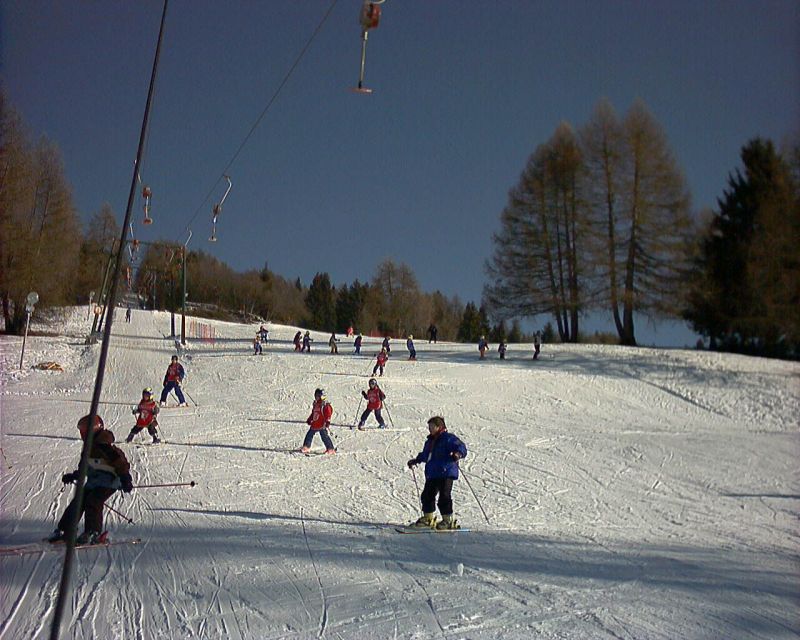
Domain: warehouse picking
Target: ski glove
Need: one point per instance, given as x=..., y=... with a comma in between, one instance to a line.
x=412, y=462
x=69, y=478
x=455, y=455
x=127, y=482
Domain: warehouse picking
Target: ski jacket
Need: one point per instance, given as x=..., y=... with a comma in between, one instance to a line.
x=106, y=462
x=320, y=417
x=146, y=411
x=296, y=339
x=357, y=342
x=174, y=373
x=410, y=345
x=374, y=398
x=437, y=454
x=385, y=345
x=382, y=358
x=482, y=345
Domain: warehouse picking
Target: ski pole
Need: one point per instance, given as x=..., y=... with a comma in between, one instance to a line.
x=124, y=517
x=476, y=497
x=169, y=484
x=189, y=395
x=388, y=413
x=3, y=453
x=355, y=420
x=414, y=475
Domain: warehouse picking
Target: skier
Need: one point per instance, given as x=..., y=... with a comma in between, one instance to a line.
x=385, y=345
x=441, y=454
x=350, y=331
x=332, y=343
x=128, y=314
x=296, y=341
x=318, y=422
x=432, y=331
x=501, y=349
x=483, y=346
x=537, y=344
x=172, y=382
x=257, y=350
x=380, y=362
x=263, y=333
x=146, y=410
x=412, y=352
x=306, y=342
x=357, y=345
x=108, y=471
x=374, y=397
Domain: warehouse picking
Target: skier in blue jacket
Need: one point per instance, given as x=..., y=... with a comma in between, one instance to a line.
x=441, y=454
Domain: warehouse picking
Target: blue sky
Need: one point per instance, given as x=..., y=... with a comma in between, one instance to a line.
x=419, y=170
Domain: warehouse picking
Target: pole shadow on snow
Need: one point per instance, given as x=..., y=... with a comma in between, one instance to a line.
x=45, y=437
x=219, y=445
x=333, y=424
x=276, y=517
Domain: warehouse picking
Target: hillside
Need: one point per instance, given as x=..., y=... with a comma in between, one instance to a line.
x=630, y=493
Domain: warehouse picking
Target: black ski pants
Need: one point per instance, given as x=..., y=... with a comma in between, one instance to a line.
x=94, y=501
x=442, y=486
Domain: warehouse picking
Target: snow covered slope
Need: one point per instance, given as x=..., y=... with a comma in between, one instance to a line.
x=630, y=493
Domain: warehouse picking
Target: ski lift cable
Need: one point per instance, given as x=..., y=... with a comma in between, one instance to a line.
x=263, y=113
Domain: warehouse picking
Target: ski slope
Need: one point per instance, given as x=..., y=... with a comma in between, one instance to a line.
x=630, y=493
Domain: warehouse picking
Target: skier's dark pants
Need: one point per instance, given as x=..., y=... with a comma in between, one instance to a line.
x=378, y=417
x=375, y=370
x=442, y=486
x=151, y=429
x=323, y=433
x=172, y=385
x=93, y=502
x=536, y=350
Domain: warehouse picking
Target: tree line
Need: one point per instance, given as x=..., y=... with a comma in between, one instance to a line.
x=600, y=221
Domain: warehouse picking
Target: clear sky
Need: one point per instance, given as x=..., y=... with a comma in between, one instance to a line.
x=418, y=171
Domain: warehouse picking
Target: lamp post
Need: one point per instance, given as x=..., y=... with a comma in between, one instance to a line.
x=31, y=301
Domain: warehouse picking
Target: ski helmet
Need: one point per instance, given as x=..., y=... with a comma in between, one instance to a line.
x=174, y=358
x=83, y=425
x=373, y=382
x=319, y=393
x=147, y=391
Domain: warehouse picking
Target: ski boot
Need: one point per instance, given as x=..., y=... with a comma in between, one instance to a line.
x=183, y=404
x=330, y=452
x=304, y=449
x=361, y=426
x=156, y=439
x=427, y=521
x=91, y=537
x=58, y=536
x=447, y=522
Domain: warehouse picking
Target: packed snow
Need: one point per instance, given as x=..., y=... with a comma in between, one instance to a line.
x=610, y=492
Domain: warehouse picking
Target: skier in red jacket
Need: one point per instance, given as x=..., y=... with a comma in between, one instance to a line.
x=319, y=421
x=374, y=397
x=146, y=412
x=383, y=357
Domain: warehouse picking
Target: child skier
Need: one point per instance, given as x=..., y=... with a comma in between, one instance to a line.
x=146, y=410
x=108, y=471
x=257, y=350
x=501, y=349
x=374, y=397
x=172, y=382
x=332, y=344
x=263, y=333
x=306, y=342
x=357, y=345
x=537, y=345
x=412, y=352
x=296, y=341
x=385, y=345
x=319, y=421
x=483, y=346
x=382, y=357
x=441, y=454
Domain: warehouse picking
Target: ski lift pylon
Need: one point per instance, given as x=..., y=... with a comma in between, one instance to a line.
x=369, y=18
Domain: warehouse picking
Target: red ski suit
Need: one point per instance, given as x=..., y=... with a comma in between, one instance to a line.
x=382, y=359
x=320, y=417
x=374, y=397
x=147, y=411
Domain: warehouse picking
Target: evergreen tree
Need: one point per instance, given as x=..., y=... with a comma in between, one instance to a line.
x=321, y=303
x=744, y=291
x=471, y=327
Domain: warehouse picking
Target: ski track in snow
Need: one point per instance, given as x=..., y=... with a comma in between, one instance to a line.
x=621, y=485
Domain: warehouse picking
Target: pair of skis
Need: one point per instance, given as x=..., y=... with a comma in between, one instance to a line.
x=45, y=546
